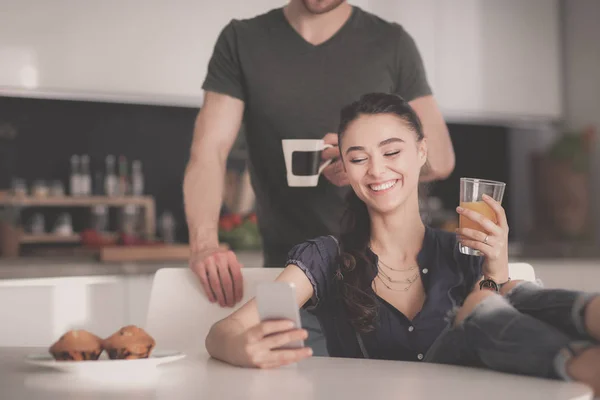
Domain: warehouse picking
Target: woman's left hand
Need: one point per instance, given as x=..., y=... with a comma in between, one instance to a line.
x=492, y=243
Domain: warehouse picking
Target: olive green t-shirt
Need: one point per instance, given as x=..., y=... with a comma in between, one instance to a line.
x=295, y=90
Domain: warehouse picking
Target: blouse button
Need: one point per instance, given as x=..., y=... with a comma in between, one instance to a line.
x=420, y=356
x=425, y=270
x=411, y=328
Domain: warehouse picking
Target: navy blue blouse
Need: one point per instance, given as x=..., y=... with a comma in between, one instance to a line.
x=447, y=275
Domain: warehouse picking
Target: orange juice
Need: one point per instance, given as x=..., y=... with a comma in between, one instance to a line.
x=478, y=206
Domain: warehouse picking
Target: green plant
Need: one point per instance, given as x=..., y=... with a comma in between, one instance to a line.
x=574, y=148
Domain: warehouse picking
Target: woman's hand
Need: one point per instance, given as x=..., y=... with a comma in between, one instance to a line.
x=493, y=243
x=260, y=346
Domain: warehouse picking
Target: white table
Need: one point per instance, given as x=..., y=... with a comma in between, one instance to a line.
x=199, y=377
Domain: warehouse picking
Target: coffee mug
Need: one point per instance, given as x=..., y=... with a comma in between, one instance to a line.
x=303, y=161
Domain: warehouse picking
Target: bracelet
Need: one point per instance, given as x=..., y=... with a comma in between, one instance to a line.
x=502, y=284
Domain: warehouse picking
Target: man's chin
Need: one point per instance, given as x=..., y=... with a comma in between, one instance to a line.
x=321, y=7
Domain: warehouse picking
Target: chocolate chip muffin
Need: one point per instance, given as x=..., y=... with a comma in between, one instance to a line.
x=129, y=343
x=77, y=345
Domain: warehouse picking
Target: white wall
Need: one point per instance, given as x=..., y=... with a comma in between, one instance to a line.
x=582, y=75
x=135, y=52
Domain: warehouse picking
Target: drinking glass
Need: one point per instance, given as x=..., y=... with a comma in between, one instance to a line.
x=471, y=197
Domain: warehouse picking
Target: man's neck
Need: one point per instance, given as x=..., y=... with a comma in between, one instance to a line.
x=316, y=28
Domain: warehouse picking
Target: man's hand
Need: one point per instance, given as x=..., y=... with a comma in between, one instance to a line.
x=220, y=274
x=334, y=172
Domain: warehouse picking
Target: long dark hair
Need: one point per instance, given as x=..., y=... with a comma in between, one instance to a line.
x=355, y=265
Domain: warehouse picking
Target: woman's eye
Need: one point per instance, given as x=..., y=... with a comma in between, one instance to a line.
x=357, y=160
x=392, y=153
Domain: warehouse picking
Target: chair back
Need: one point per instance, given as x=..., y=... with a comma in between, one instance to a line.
x=180, y=315
x=521, y=271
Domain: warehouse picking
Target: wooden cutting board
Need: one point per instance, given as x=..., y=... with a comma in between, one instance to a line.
x=145, y=253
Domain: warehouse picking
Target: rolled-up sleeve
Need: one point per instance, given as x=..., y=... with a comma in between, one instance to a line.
x=317, y=259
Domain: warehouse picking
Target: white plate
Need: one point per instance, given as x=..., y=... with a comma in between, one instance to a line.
x=104, y=365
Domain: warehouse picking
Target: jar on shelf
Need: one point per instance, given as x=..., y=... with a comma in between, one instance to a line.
x=40, y=189
x=99, y=218
x=129, y=219
x=19, y=187
x=167, y=227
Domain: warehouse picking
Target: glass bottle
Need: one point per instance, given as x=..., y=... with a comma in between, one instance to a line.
x=85, y=176
x=110, y=179
x=137, y=178
x=75, y=181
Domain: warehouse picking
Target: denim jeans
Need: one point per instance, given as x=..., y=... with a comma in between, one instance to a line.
x=530, y=331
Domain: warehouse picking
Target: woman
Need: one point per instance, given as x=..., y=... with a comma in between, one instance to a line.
x=392, y=288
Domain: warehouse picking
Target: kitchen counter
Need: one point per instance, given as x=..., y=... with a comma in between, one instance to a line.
x=569, y=272
x=52, y=267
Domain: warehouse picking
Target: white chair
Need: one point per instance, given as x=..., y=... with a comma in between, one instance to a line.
x=180, y=315
x=521, y=271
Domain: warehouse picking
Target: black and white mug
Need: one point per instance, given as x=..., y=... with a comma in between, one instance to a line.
x=303, y=161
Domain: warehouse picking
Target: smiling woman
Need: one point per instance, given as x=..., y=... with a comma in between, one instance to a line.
x=383, y=168
x=392, y=288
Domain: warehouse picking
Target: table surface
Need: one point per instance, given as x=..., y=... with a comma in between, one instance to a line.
x=200, y=377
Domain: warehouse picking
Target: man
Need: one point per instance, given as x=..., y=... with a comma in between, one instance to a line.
x=287, y=74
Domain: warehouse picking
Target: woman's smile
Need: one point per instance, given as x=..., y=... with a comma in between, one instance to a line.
x=382, y=187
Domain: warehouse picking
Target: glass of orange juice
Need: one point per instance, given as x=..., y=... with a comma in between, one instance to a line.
x=471, y=192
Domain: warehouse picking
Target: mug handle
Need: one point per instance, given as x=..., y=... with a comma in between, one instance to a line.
x=326, y=163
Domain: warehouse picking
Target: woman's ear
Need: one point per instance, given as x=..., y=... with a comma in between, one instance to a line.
x=422, y=149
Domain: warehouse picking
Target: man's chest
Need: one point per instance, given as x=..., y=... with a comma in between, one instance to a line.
x=311, y=87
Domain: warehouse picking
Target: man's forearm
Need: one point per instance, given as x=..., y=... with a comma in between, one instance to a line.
x=440, y=160
x=440, y=151
x=203, y=194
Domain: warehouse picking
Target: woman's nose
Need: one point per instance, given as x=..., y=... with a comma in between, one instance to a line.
x=376, y=168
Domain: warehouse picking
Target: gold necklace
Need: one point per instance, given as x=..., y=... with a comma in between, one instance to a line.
x=396, y=290
x=379, y=261
x=407, y=280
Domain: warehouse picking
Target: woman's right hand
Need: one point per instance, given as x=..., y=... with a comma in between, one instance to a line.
x=260, y=346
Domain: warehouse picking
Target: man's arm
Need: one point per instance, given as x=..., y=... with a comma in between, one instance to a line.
x=440, y=159
x=215, y=131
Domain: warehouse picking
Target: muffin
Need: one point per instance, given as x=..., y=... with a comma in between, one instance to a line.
x=77, y=345
x=129, y=343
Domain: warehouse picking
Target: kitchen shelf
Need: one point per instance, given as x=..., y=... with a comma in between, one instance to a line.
x=69, y=201
x=52, y=238
x=147, y=202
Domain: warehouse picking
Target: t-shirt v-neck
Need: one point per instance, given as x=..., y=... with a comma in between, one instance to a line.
x=305, y=45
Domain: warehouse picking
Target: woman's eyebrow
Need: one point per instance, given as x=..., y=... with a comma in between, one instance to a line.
x=354, y=148
x=390, y=140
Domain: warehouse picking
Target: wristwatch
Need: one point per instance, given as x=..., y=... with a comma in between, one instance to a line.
x=490, y=284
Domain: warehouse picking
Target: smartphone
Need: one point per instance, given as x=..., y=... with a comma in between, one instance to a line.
x=277, y=300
